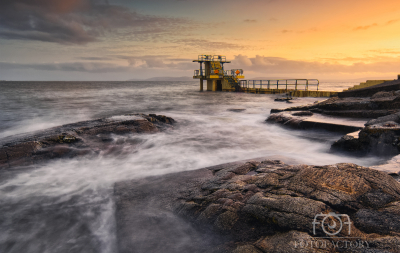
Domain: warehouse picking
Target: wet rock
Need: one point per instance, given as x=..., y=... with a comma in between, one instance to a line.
x=303, y=113
x=348, y=142
x=383, y=94
x=273, y=209
x=393, y=117
x=289, y=119
x=385, y=244
x=283, y=201
x=246, y=249
x=293, y=241
x=379, y=137
x=381, y=222
x=161, y=118
x=381, y=104
x=76, y=139
x=236, y=110
x=226, y=220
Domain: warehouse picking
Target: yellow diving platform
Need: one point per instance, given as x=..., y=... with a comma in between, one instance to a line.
x=219, y=79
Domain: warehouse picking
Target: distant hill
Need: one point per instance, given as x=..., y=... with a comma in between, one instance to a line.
x=180, y=78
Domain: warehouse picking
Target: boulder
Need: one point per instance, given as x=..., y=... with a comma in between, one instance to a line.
x=266, y=206
x=77, y=139
x=380, y=136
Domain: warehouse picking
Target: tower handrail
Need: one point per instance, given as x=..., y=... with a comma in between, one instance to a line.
x=197, y=72
x=208, y=57
x=272, y=83
x=219, y=58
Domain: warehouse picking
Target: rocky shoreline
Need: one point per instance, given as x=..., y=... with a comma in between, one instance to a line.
x=380, y=135
x=265, y=206
x=77, y=139
x=253, y=206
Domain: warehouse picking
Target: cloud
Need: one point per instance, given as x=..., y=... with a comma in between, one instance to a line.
x=385, y=51
x=365, y=27
x=242, y=60
x=78, y=21
x=88, y=67
x=278, y=65
x=202, y=44
x=286, y=31
x=271, y=66
x=95, y=58
x=390, y=22
x=158, y=62
x=250, y=21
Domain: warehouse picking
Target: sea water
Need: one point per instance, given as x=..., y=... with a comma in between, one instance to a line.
x=66, y=205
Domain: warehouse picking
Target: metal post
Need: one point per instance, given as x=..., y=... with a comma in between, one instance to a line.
x=286, y=85
x=307, y=85
x=295, y=87
x=268, y=84
x=277, y=84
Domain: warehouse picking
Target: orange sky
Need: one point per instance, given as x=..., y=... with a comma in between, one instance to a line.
x=122, y=39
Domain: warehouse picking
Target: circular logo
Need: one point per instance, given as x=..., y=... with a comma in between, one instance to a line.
x=333, y=223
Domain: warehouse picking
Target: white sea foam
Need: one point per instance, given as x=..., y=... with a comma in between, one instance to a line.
x=206, y=134
x=124, y=118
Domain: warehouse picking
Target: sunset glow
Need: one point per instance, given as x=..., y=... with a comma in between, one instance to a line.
x=121, y=40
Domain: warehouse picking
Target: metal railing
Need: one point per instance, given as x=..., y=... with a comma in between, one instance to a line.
x=219, y=58
x=198, y=73
x=205, y=57
x=277, y=84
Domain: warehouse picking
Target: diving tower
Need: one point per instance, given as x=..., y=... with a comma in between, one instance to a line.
x=217, y=78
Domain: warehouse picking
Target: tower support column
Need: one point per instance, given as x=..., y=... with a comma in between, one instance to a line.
x=201, y=84
x=214, y=85
x=209, y=85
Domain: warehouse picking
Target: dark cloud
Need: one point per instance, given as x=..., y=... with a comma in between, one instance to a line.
x=77, y=21
x=88, y=67
x=103, y=64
